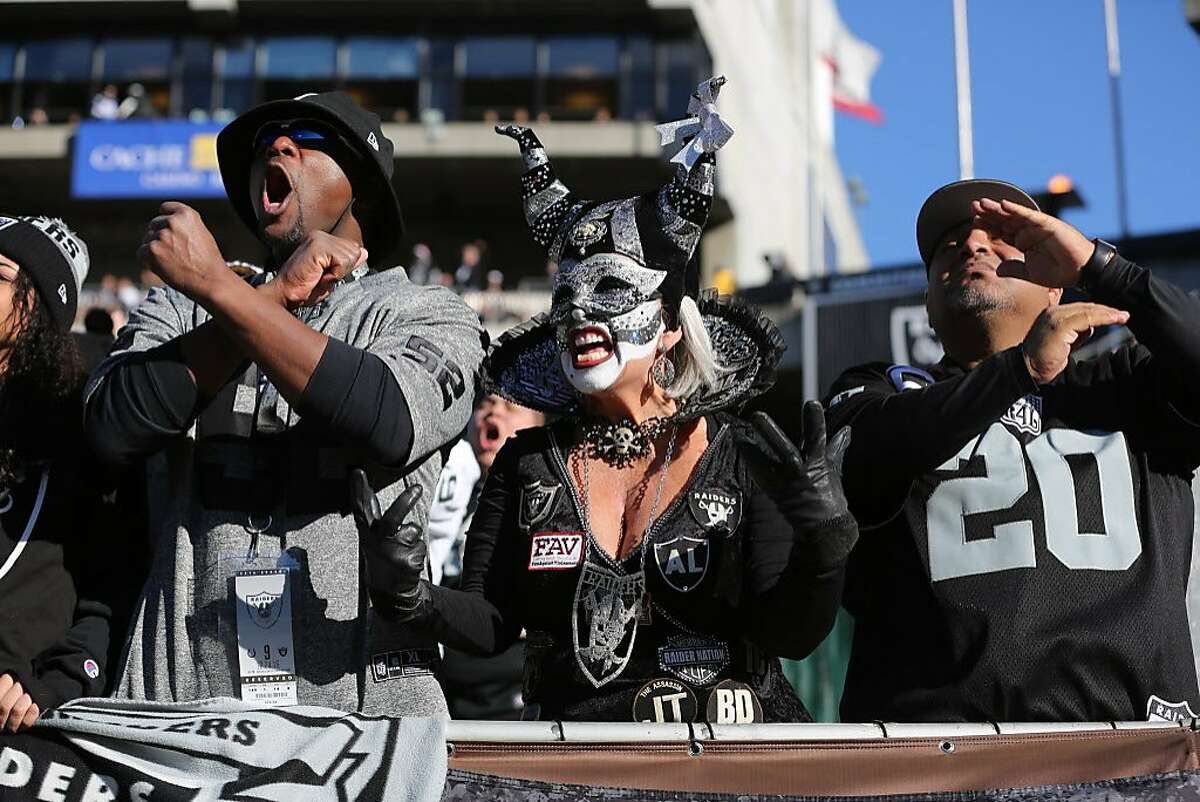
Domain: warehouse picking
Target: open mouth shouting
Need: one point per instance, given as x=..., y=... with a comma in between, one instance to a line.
x=277, y=190
x=590, y=346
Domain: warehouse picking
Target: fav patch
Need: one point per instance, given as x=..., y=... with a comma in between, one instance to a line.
x=682, y=561
x=403, y=663
x=1161, y=710
x=693, y=659
x=1025, y=415
x=604, y=622
x=91, y=668
x=716, y=510
x=733, y=702
x=537, y=502
x=663, y=701
x=555, y=551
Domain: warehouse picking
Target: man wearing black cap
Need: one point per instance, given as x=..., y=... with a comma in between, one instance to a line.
x=263, y=394
x=1026, y=517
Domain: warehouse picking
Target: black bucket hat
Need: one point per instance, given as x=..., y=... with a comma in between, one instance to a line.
x=383, y=230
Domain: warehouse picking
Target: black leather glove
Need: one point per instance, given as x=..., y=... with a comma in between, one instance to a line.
x=394, y=552
x=805, y=484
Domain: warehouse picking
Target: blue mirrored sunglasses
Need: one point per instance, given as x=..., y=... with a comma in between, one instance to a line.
x=304, y=133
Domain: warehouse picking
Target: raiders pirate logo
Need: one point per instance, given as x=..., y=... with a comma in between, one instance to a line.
x=664, y=701
x=1161, y=710
x=264, y=608
x=1025, y=415
x=537, y=502
x=605, y=620
x=718, y=511
x=692, y=659
x=682, y=561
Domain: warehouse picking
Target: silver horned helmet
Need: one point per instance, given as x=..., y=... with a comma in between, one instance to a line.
x=614, y=256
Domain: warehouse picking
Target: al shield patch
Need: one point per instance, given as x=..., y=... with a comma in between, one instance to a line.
x=718, y=511
x=664, y=701
x=733, y=702
x=695, y=660
x=682, y=561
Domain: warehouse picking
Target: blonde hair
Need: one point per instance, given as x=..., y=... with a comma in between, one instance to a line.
x=696, y=368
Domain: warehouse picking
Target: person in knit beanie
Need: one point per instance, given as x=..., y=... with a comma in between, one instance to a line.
x=54, y=627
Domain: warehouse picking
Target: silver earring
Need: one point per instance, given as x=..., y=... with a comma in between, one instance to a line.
x=663, y=371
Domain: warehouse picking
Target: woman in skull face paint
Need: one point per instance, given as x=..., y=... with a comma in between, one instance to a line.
x=660, y=553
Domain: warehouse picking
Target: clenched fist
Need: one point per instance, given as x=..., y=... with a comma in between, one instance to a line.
x=1060, y=329
x=179, y=249
x=314, y=267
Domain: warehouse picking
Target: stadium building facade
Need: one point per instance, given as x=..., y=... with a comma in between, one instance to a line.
x=592, y=77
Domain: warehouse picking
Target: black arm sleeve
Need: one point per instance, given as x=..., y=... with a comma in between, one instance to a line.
x=484, y=617
x=896, y=436
x=61, y=672
x=1163, y=317
x=143, y=401
x=793, y=579
x=358, y=400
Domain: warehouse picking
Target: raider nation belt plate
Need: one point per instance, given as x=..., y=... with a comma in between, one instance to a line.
x=604, y=621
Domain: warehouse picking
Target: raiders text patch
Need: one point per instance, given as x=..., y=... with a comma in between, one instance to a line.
x=555, y=551
x=718, y=511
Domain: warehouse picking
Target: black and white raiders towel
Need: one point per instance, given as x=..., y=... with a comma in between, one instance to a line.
x=92, y=750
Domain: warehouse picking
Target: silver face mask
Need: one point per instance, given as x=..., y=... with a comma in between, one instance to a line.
x=608, y=289
x=607, y=297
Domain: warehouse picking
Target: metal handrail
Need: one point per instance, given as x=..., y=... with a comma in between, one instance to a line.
x=621, y=732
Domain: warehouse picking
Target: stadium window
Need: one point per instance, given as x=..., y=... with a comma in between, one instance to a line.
x=196, y=77
x=295, y=65
x=139, y=61
x=498, y=77
x=57, y=81
x=443, y=90
x=581, y=77
x=680, y=75
x=8, y=55
x=638, y=88
x=383, y=74
x=235, y=78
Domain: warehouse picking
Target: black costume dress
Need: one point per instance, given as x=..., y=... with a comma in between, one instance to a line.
x=720, y=587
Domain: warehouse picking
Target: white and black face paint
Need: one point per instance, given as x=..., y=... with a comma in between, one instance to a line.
x=605, y=316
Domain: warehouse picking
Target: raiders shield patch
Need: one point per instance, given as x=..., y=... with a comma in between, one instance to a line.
x=605, y=620
x=718, y=511
x=1161, y=710
x=264, y=608
x=537, y=502
x=695, y=660
x=682, y=561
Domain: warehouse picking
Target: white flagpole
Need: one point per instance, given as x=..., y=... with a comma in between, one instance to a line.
x=1113, y=42
x=962, y=81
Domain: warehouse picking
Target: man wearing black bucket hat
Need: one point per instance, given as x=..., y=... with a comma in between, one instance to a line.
x=263, y=395
x=1026, y=516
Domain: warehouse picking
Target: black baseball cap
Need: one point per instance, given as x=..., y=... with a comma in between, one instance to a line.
x=362, y=131
x=950, y=206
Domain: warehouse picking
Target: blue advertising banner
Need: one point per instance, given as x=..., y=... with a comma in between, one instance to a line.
x=160, y=159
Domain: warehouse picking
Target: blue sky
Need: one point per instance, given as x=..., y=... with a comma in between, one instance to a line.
x=1041, y=106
